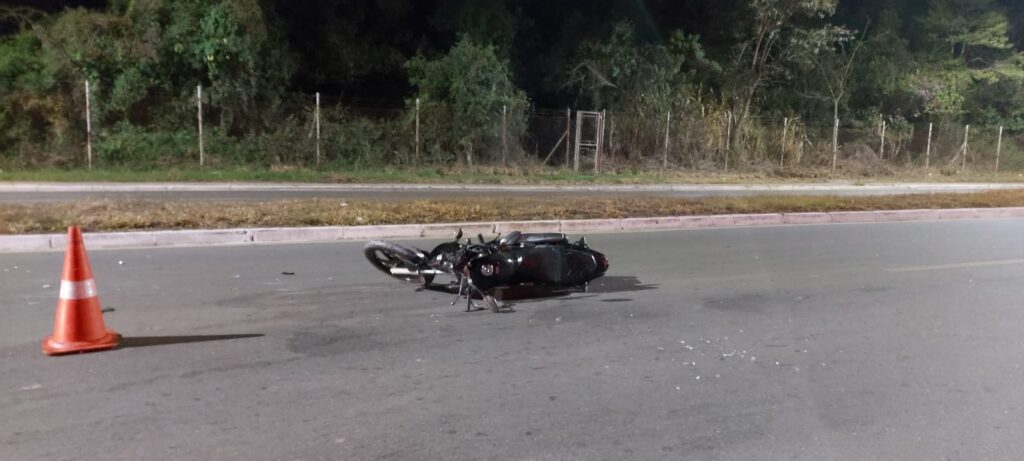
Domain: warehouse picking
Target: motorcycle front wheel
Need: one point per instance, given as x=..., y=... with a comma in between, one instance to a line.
x=387, y=256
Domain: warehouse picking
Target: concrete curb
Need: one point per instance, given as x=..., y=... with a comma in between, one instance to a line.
x=143, y=239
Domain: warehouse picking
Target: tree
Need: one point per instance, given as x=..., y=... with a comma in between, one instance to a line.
x=471, y=84
x=774, y=36
x=620, y=74
x=23, y=82
x=969, y=44
x=834, y=64
x=485, y=21
x=643, y=79
x=878, y=83
x=356, y=47
x=237, y=51
x=966, y=25
x=607, y=72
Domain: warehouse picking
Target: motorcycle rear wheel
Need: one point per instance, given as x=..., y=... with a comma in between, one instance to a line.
x=386, y=256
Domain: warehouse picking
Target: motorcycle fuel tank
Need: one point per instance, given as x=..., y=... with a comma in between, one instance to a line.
x=557, y=266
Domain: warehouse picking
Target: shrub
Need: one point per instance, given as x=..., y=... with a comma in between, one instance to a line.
x=136, y=147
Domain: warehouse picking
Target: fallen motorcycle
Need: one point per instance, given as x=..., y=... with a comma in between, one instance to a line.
x=484, y=268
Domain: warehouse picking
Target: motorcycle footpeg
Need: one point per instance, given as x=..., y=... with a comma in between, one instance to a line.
x=488, y=301
x=491, y=304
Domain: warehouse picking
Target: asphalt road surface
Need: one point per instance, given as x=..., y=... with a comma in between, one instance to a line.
x=60, y=192
x=838, y=342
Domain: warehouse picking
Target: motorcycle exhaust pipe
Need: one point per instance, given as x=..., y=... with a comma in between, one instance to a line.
x=404, y=271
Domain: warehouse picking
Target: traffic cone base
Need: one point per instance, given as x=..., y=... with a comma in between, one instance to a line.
x=78, y=326
x=54, y=347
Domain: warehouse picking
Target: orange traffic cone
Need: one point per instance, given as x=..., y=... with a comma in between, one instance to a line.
x=79, y=324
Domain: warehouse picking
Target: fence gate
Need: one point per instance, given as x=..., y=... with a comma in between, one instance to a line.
x=589, y=139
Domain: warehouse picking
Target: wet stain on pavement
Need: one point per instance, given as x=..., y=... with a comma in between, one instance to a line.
x=619, y=284
x=334, y=340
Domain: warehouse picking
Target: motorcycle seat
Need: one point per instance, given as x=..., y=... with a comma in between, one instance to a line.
x=550, y=238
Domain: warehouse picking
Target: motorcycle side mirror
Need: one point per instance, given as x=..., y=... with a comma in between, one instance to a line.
x=458, y=236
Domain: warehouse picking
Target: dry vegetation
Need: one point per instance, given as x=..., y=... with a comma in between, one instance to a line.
x=110, y=215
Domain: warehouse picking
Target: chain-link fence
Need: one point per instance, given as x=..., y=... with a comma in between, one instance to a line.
x=157, y=128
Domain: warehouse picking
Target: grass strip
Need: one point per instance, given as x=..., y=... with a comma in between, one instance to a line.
x=123, y=215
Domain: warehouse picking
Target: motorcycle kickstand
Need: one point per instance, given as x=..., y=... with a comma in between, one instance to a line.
x=469, y=297
x=459, y=294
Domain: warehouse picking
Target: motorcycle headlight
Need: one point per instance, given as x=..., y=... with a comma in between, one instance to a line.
x=487, y=270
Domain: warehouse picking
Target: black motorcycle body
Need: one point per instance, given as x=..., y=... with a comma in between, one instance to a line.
x=548, y=265
x=483, y=268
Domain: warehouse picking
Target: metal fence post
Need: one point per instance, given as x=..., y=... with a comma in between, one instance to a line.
x=316, y=115
x=504, y=135
x=782, y=145
x=576, y=151
x=600, y=142
x=963, y=161
x=668, y=128
x=88, y=127
x=881, y=147
x=199, y=109
x=835, y=144
x=728, y=137
x=928, y=151
x=999, y=147
x=568, y=134
x=611, y=137
x=417, y=156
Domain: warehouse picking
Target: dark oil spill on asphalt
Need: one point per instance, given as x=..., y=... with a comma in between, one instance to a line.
x=330, y=341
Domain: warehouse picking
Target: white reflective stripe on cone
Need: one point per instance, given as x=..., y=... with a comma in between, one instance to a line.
x=77, y=290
